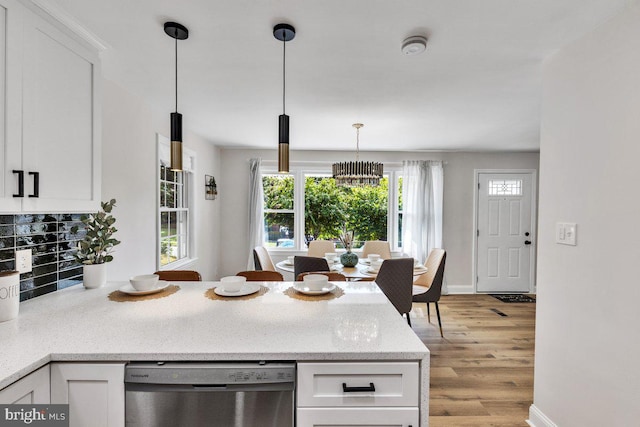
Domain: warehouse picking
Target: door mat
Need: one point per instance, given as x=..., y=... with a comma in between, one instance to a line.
x=513, y=297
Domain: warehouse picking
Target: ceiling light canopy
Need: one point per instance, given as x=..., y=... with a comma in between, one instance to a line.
x=358, y=173
x=284, y=33
x=177, y=32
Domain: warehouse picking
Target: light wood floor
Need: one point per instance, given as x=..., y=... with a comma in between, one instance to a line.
x=482, y=370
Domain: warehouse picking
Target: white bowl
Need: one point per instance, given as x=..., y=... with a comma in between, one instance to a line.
x=290, y=259
x=331, y=256
x=315, y=282
x=233, y=283
x=144, y=282
x=373, y=257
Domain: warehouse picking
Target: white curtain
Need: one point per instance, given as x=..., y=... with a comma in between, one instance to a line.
x=422, y=194
x=256, y=212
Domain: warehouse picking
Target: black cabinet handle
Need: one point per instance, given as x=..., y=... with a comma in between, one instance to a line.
x=527, y=242
x=20, y=183
x=36, y=184
x=346, y=389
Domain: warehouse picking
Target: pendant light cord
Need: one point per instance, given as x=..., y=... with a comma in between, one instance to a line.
x=357, y=144
x=176, y=74
x=284, y=80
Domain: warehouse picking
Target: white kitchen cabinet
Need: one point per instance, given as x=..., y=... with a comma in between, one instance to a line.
x=94, y=392
x=358, y=394
x=52, y=117
x=32, y=389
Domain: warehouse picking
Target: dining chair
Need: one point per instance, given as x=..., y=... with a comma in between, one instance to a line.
x=261, y=276
x=395, y=279
x=379, y=247
x=262, y=259
x=302, y=264
x=333, y=276
x=427, y=287
x=179, y=275
x=318, y=248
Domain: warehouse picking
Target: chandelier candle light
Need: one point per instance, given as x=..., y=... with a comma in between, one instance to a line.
x=177, y=32
x=284, y=33
x=358, y=173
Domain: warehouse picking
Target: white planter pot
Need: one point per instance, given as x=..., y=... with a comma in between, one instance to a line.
x=94, y=275
x=9, y=295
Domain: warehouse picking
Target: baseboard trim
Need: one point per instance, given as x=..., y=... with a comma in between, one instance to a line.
x=539, y=419
x=458, y=289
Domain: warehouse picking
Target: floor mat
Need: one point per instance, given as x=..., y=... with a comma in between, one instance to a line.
x=513, y=297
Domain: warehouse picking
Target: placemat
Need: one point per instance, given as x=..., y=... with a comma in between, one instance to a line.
x=292, y=293
x=212, y=295
x=118, y=296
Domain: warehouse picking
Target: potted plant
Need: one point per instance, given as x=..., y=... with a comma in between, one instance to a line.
x=94, y=250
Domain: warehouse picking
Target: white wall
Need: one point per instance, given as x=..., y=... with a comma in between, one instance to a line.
x=129, y=172
x=587, y=346
x=458, y=200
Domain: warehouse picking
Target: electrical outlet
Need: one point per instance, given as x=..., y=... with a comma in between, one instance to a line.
x=23, y=261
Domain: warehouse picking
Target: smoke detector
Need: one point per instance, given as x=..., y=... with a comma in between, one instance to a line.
x=414, y=45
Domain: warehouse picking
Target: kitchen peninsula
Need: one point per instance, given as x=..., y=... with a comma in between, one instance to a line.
x=357, y=334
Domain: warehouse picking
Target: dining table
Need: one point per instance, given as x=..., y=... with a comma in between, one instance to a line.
x=361, y=271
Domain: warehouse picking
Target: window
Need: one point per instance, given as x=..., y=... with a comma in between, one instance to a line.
x=505, y=187
x=175, y=203
x=174, y=216
x=279, y=215
x=310, y=202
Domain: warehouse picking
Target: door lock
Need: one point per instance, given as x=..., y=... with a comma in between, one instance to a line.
x=527, y=242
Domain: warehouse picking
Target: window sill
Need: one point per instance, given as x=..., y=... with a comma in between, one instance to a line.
x=182, y=264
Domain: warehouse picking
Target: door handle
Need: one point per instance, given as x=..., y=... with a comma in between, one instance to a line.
x=36, y=184
x=527, y=242
x=347, y=389
x=20, y=183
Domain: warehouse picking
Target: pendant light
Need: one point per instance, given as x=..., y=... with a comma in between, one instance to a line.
x=284, y=33
x=177, y=32
x=357, y=174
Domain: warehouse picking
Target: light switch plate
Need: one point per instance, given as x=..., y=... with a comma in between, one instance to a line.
x=566, y=233
x=23, y=261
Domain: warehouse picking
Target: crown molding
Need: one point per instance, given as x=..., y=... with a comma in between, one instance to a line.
x=66, y=19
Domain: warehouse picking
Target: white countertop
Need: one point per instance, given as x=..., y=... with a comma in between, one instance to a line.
x=76, y=324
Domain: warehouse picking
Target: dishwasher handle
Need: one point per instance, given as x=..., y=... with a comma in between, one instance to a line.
x=204, y=388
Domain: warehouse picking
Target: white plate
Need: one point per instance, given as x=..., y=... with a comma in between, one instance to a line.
x=247, y=289
x=337, y=267
x=372, y=270
x=365, y=261
x=286, y=262
x=299, y=286
x=130, y=290
x=420, y=268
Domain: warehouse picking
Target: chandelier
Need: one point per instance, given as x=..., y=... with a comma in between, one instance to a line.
x=358, y=173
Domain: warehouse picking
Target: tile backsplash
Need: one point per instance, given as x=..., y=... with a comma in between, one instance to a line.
x=49, y=238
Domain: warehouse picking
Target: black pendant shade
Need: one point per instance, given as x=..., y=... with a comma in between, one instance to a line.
x=284, y=33
x=177, y=32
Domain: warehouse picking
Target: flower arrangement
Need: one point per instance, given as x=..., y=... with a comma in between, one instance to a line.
x=347, y=239
x=98, y=243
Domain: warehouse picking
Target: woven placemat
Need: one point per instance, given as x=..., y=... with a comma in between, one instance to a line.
x=292, y=293
x=118, y=296
x=212, y=295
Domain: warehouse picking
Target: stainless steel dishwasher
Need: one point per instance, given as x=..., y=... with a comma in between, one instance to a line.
x=251, y=394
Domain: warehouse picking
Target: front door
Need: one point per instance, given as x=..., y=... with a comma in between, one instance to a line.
x=504, y=255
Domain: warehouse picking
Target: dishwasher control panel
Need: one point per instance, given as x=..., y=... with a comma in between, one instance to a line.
x=210, y=372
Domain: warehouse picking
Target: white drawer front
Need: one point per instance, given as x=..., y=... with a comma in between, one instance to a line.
x=352, y=417
x=395, y=383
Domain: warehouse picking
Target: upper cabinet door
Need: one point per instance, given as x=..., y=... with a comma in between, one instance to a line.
x=11, y=24
x=60, y=121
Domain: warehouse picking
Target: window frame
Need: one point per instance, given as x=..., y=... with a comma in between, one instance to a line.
x=300, y=169
x=163, y=149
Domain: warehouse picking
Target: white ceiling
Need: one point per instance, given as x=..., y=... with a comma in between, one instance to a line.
x=477, y=86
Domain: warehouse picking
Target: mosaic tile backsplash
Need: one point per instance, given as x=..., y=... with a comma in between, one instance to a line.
x=52, y=245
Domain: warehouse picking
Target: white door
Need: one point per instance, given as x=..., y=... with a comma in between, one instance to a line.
x=505, y=220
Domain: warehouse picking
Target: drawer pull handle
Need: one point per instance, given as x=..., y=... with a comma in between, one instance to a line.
x=20, y=183
x=346, y=389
